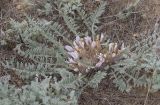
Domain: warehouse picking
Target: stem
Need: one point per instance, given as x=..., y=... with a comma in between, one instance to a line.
x=149, y=86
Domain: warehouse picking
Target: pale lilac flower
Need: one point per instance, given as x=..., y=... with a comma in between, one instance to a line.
x=75, y=45
x=101, y=60
x=88, y=40
x=122, y=47
x=81, y=43
x=83, y=47
x=76, y=69
x=77, y=39
x=113, y=47
x=93, y=44
x=70, y=60
x=78, y=42
x=100, y=56
x=102, y=37
x=113, y=54
x=69, y=48
x=74, y=55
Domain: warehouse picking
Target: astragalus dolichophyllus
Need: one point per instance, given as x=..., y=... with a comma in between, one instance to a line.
x=87, y=54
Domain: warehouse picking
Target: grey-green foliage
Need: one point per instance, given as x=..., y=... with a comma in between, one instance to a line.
x=41, y=37
x=70, y=5
x=68, y=9
x=131, y=72
x=90, y=20
x=48, y=8
x=41, y=44
x=135, y=70
x=37, y=35
x=96, y=79
x=49, y=91
x=94, y=17
x=37, y=93
x=141, y=66
x=125, y=13
x=46, y=56
x=8, y=93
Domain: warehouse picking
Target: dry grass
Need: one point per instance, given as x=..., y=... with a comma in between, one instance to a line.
x=106, y=94
x=134, y=27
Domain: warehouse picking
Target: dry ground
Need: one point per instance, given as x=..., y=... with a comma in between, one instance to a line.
x=135, y=26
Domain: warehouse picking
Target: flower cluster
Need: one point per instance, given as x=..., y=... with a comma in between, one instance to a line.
x=87, y=53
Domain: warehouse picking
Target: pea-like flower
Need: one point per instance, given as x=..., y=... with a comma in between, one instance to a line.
x=87, y=53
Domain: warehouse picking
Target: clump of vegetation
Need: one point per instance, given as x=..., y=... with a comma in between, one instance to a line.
x=87, y=54
x=66, y=58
